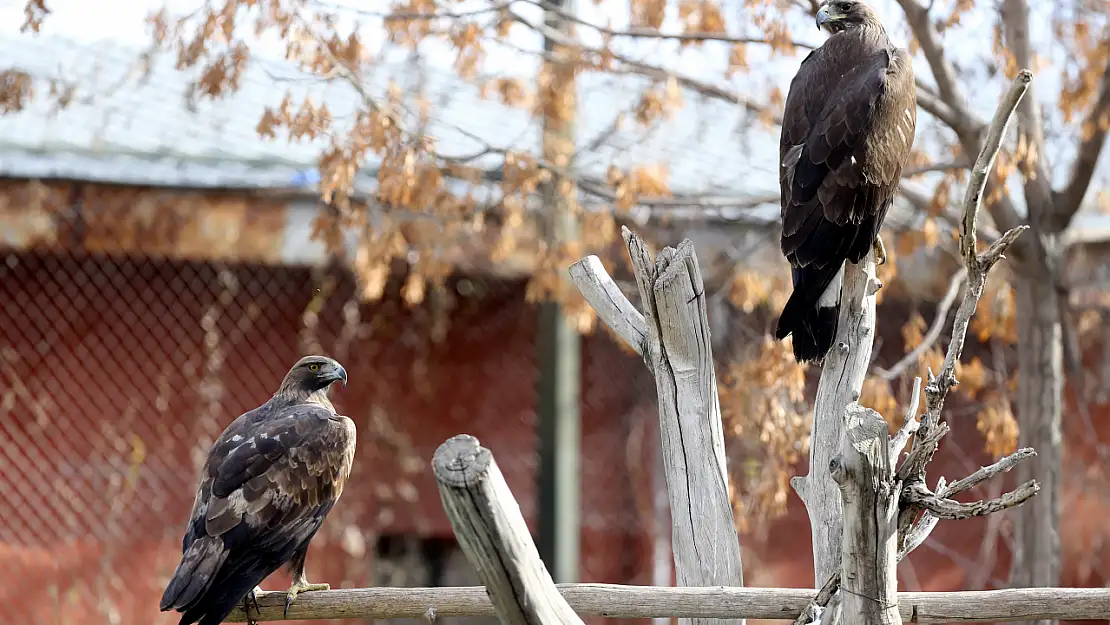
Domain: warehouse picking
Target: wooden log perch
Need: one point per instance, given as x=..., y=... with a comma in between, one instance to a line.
x=492, y=533
x=841, y=383
x=620, y=601
x=672, y=336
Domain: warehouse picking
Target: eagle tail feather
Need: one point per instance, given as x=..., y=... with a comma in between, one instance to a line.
x=194, y=574
x=812, y=311
x=231, y=585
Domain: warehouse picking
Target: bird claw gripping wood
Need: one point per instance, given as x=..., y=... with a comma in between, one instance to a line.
x=880, y=251
x=251, y=600
x=299, y=586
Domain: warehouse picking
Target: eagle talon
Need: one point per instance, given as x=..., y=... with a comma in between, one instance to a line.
x=297, y=588
x=248, y=601
x=880, y=251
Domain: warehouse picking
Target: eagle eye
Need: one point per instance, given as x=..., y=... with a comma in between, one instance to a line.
x=313, y=367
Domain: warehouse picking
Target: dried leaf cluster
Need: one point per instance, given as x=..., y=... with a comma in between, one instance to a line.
x=415, y=221
x=751, y=289
x=412, y=176
x=766, y=417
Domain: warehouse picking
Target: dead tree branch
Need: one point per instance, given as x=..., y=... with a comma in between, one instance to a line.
x=910, y=424
x=672, y=336
x=917, y=496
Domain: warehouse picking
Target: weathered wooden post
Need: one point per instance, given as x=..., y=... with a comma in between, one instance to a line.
x=493, y=535
x=672, y=336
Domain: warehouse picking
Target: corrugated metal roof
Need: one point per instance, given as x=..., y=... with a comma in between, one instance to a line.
x=138, y=125
x=143, y=128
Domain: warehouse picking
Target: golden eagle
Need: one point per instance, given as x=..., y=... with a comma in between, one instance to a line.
x=267, y=484
x=847, y=130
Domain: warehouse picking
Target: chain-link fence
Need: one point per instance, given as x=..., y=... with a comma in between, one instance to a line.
x=119, y=367
x=119, y=372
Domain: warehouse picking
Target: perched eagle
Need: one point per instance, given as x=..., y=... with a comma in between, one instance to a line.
x=267, y=484
x=847, y=130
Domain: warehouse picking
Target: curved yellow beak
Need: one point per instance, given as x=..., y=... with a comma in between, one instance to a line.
x=823, y=16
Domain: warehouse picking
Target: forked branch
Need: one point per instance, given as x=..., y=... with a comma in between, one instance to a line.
x=672, y=336
x=872, y=492
x=917, y=496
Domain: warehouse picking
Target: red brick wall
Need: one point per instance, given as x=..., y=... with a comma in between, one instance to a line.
x=107, y=357
x=101, y=417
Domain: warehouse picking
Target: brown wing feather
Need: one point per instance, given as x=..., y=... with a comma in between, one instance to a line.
x=889, y=144
x=840, y=161
x=287, y=468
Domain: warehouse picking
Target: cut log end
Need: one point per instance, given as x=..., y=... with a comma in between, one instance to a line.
x=461, y=461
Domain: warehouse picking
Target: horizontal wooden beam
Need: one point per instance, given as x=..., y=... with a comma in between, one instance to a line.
x=619, y=601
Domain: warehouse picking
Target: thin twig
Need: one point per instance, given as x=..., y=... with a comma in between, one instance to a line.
x=973, y=196
x=956, y=165
x=646, y=69
x=914, y=464
x=986, y=473
x=409, y=16
x=932, y=335
x=910, y=424
x=917, y=534
x=655, y=34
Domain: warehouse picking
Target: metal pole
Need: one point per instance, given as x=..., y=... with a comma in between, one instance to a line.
x=558, y=354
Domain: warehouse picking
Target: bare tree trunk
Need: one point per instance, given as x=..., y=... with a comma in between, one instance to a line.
x=1039, y=407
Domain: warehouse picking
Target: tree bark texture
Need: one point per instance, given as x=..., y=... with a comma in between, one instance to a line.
x=841, y=383
x=1039, y=408
x=673, y=337
x=863, y=471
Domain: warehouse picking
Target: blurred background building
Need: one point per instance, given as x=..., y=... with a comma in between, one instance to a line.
x=158, y=276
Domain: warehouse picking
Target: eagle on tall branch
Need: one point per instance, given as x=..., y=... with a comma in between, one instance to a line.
x=847, y=130
x=266, y=486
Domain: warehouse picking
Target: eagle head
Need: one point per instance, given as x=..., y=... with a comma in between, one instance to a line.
x=839, y=15
x=312, y=374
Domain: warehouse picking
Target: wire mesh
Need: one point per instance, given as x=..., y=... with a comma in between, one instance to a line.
x=119, y=371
